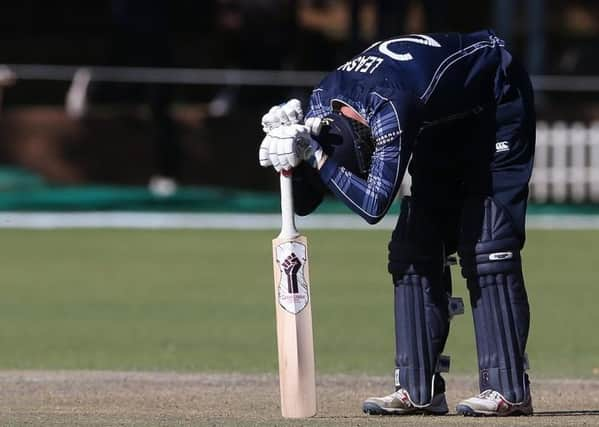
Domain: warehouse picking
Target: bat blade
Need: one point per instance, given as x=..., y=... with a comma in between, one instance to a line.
x=294, y=327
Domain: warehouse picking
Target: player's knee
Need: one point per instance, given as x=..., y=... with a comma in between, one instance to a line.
x=306, y=205
x=489, y=243
x=493, y=257
x=308, y=190
x=415, y=245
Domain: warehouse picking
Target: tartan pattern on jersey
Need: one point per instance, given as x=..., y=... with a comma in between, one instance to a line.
x=318, y=108
x=372, y=197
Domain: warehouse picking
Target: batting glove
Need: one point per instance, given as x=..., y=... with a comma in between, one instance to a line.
x=288, y=113
x=314, y=125
x=286, y=146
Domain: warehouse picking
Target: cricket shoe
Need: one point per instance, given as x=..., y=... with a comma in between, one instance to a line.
x=492, y=403
x=399, y=403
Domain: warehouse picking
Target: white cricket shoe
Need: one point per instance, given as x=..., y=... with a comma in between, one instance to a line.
x=492, y=403
x=399, y=403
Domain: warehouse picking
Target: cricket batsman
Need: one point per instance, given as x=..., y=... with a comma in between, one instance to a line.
x=457, y=111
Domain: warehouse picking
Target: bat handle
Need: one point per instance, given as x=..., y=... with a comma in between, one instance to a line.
x=288, y=229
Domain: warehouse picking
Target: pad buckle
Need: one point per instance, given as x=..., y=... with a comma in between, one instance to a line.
x=451, y=260
x=455, y=306
x=443, y=363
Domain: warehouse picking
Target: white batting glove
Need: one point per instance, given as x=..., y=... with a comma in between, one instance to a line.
x=280, y=115
x=314, y=125
x=286, y=147
x=288, y=113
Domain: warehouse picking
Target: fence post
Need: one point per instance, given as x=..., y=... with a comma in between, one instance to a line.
x=540, y=179
x=594, y=162
x=559, y=141
x=577, y=170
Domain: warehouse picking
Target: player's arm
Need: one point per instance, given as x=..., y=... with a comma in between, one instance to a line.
x=308, y=189
x=371, y=197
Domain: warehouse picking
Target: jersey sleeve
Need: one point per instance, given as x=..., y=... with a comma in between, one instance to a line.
x=371, y=197
x=308, y=189
x=318, y=107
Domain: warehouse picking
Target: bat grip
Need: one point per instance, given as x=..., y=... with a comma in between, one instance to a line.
x=288, y=229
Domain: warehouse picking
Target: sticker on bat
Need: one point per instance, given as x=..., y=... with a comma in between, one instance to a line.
x=293, y=287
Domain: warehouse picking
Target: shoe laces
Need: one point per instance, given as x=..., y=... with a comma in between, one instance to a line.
x=491, y=395
x=402, y=394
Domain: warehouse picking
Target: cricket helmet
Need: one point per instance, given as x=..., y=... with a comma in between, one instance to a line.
x=347, y=141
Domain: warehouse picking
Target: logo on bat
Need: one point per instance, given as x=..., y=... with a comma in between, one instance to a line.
x=292, y=287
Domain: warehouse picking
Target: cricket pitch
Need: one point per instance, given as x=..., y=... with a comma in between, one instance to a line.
x=157, y=398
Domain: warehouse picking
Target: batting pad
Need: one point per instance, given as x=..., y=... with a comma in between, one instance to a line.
x=501, y=322
x=492, y=267
x=422, y=326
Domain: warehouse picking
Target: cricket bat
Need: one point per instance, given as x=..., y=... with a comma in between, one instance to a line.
x=293, y=313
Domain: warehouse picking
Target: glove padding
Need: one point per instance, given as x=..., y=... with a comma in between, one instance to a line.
x=286, y=146
x=314, y=125
x=288, y=113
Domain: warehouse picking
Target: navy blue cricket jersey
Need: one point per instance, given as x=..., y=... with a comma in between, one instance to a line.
x=399, y=86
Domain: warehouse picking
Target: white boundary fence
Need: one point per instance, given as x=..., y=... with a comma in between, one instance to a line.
x=566, y=163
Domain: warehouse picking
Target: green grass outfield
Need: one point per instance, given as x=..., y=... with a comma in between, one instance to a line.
x=204, y=301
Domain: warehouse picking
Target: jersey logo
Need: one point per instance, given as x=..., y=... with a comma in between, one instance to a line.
x=416, y=38
x=501, y=146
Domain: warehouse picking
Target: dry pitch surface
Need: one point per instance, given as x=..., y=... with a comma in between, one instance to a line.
x=124, y=398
